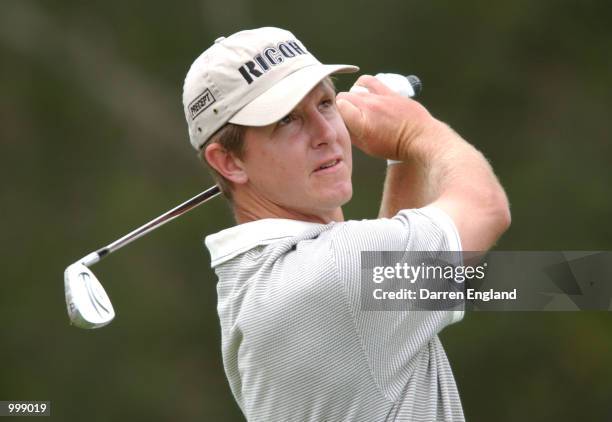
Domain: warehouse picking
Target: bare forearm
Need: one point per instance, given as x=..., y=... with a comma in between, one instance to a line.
x=406, y=186
x=440, y=166
x=428, y=164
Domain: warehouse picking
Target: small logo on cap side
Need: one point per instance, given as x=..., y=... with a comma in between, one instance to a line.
x=201, y=103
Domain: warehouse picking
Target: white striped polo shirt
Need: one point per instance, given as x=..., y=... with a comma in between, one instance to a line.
x=297, y=345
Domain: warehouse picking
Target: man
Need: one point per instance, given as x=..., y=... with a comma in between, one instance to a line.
x=297, y=344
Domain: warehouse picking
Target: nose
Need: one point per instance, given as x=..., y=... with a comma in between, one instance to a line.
x=321, y=130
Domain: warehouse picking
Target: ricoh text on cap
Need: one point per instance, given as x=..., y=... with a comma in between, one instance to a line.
x=252, y=78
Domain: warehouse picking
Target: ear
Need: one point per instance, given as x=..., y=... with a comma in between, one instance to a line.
x=226, y=163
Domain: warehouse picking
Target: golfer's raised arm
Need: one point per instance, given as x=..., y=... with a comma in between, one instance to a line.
x=438, y=167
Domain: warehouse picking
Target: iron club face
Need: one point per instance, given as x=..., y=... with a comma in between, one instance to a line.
x=87, y=302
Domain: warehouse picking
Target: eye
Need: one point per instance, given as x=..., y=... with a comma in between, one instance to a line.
x=286, y=120
x=327, y=103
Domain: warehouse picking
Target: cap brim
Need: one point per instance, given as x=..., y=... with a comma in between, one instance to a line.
x=278, y=101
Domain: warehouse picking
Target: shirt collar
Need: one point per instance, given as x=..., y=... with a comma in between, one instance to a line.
x=228, y=243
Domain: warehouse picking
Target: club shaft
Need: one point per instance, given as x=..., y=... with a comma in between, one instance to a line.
x=168, y=216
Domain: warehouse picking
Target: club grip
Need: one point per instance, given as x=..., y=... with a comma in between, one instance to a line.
x=407, y=86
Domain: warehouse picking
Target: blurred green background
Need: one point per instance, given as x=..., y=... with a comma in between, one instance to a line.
x=94, y=144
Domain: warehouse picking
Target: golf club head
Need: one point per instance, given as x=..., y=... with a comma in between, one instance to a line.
x=87, y=302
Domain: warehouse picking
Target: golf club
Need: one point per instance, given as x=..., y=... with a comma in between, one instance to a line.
x=87, y=302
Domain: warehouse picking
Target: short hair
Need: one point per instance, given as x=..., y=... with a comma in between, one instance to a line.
x=231, y=139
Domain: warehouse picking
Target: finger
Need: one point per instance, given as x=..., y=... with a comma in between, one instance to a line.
x=356, y=98
x=352, y=115
x=373, y=85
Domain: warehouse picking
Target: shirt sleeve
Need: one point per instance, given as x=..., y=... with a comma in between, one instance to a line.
x=391, y=339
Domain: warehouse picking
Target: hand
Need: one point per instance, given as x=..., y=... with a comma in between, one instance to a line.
x=382, y=123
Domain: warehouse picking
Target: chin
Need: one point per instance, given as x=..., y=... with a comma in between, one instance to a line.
x=348, y=194
x=339, y=196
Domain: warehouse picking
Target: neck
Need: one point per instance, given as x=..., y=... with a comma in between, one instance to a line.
x=251, y=208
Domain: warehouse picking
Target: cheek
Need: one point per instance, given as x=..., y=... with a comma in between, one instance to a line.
x=276, y=168
x=344, y=139
x=341, y=129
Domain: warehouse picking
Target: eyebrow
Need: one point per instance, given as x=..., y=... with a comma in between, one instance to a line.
x=323, y=89
x=328, y=86
x=325, y=86
x=328, y=83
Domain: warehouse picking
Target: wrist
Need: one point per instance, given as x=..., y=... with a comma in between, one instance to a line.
x=428, y=138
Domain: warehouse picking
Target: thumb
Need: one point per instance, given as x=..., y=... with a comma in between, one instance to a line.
x=352, y=116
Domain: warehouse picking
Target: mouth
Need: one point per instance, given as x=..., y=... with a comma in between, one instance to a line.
x=328, y=166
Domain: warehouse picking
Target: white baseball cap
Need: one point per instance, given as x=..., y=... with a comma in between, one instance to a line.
x=251, y=78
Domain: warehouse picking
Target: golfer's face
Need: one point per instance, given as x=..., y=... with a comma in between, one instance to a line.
x=303, y=162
